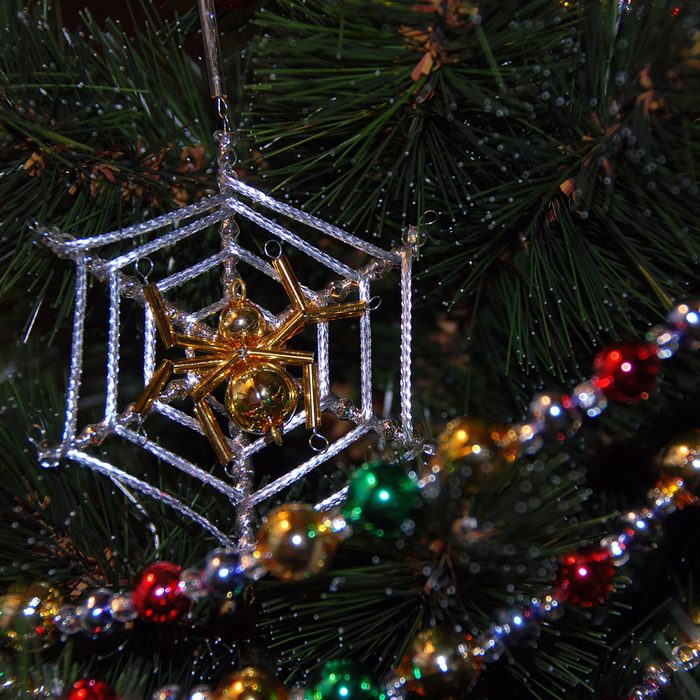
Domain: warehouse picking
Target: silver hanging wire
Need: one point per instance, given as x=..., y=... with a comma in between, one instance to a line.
x=212, y=54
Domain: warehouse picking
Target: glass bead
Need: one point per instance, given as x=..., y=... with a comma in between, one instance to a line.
x=66, y=620
x=666, y=340
x=157, y=595
x=94, y=612
x=90, y=689
x=556, y=414
x=661, y=501
x=626, y=372
x=440, y=664
x=251, y=684
x=639, y=692
x=685, y=317
x=477, y=447
x=489, y=647
x=381, y=498
x=201, y=692
x=616, y=545
x=529, y=436
x=685, y=657
x=517, y=627
x=261, y=397
x=295, y=542
x=548, y=607
x=224, y=573
x=585, y=576
x=343, y=678
x=193, y=584
x=168, y=692
x=252, y=565
x=589, y=399
x=641, y=528
x=242, y=323
x=657, y=674
x=122, y=607
x=681, y=459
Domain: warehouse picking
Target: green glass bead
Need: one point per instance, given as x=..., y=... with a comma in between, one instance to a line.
x=381, y=497
x=344, y=680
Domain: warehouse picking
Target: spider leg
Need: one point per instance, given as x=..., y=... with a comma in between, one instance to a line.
x=293, y=325
x=285, y=357
x=290, y=282
x=201, y=344
x=276, y=435
x=312, y=396
x=198, y=364
x=320, y=314
x=150, y=393
x=160, y=315
x=213, y=432
x=212, y=380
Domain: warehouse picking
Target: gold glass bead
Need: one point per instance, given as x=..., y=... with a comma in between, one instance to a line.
x=29, y=614
x=251, y=684
x=261, y=398
x=295, y=542
x=439, y=665
x=241, y=322
x=681, y=459
x=484, y=446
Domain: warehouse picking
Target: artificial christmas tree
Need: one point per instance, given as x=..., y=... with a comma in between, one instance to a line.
x=523, y=525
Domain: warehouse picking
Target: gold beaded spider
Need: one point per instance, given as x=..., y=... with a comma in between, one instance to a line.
x=260, y=396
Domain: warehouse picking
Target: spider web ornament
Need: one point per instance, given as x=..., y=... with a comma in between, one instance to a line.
x=164, y=236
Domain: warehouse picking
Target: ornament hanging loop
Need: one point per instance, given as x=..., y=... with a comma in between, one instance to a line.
x=222, y=109
x=318, y=442
x=212, y=54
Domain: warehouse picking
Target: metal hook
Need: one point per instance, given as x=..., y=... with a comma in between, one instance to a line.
x=222, y=110
x=273, y=245
x=423, y=221
x=374, y=303
x=318, y=442
x=141, y=431
x=143, y=274
x=238, y=289
x=36, y=435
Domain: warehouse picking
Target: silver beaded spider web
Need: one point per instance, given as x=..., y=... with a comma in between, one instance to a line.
x=162, y=235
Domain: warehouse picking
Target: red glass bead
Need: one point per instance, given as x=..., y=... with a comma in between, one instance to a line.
x=90, y=689
x=157, y=594
x=626, y=372
x=585, y=576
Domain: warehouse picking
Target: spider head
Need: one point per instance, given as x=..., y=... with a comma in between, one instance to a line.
x=241, y=322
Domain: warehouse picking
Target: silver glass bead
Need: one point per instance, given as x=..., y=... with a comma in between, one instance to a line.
x=253, y=570
x=556, y=414
x=666, y=340
x=224, y=573
x=489, y=647
x=122, y=607
x=94, y=611
x=66, y=620
x=168, y=692
x=657, y=674
x=617, y=546
x=201, y=692
x=193, y=584
x=529, y=436
x=589, y=399
x=640, y=692
x=662, y=504
x=642, y=527
x=685, y=657
x=685, y=317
